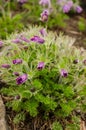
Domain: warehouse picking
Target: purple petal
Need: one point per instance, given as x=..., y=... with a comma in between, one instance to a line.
x=17, y=40
x=76, y=61
x=78, y=9
x=17, y=61
x=37, y=39
x=43, y=32
x=40, y=65
x=16, y=73
x=21, y=79
x=1, y=43
x=24, y=39
x=6, y=66
x=84, y=62
x=64, y=73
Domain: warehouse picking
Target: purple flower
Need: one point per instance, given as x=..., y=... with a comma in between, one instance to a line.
x=17, y=97
x=21, y=79
x=7, y=66
x=43, y=32
x=70, y=3
x=17, y=61
x=84, y=62
x=44, y=15
x=66, y=8
x=76, y=61
x=17, y=40
x=40, y=65
x=45, y=2
x=24, y=39
x=22, y=1
x=1, y=43
x=64, y=73
x=16, y=73
x=78, y=9
x=37, y=39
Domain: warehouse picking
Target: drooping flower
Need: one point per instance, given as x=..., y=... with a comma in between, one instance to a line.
x=37, y=39
x=16, y=73
x=70, y=3
x=17, y=61
x=44, y=15
x=45, y=3
x=21, y=79
x=66, y=8
x=24, y=39
x=40, y=65
x=84, y=61
x=76, y=61
x=7, y=66
x=1, y=43
x=43, y=32
x=66, y=5
x=78, y=9
x=17, y=97
x=64, y=73
x=17, y=40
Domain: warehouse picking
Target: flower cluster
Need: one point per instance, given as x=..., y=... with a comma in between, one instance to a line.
x=68, y=5
x=20, y=39
x=45, y=3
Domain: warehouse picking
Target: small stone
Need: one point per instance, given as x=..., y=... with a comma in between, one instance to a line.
x=3, y=125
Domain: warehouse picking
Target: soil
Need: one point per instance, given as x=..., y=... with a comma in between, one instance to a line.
x=73, y=31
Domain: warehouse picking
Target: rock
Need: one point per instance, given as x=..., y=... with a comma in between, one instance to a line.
x=3, y=125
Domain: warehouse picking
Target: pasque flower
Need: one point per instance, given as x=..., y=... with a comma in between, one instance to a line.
x=17, y=61
x=37, y=39
x=7, y=66
x=17, y=40
x=43, y=32
x=21, y=79
x=66, y=5
x=17, y=97
x=45, y=3
x=66, y=8
x=84, y=61
x=64, y=73
x=44, y=15
x=1, y=43
x=24, y=39
x=78, y=9
x=75, y=61
x=40, y=65
x=16, y=73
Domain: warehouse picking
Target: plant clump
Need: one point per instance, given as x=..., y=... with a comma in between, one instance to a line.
x=44, y=74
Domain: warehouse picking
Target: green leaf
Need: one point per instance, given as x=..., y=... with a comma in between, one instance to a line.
x=31, y=107
x=56, y=126
x=48, y=101
x=19, y=117
x=37, y=84
x=16, y=105
x=26, y=94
